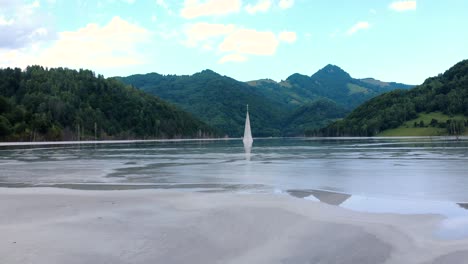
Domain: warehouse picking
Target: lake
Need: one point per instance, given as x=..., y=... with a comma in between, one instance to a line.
x=402, y=175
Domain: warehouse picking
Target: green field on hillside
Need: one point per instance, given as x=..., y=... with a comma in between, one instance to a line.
x=354, y=89
x=408, y=128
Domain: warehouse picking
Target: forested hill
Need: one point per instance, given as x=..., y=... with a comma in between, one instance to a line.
x=287, y=108
x=218, y=100
x=442, y=100
x=63, y=104
x=312, y=116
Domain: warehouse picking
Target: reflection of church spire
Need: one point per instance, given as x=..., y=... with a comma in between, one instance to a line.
x=248, y=140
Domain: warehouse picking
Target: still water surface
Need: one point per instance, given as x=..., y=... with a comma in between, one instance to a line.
x=403, y=175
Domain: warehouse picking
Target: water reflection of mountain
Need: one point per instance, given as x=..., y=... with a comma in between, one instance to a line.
x=323, y=196
x=463, y=205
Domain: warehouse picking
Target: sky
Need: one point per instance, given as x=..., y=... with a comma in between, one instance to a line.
x=400, y=41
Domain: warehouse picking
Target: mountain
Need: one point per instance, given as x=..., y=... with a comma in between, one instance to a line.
x=61, y=104
x=220, y=100
x=333, y=83
x=330, y=82
x=311, y=116
x=437, y=107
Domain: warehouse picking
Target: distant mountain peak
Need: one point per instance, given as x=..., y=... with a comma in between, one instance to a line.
x=331, y=70
x=331, y=67
x=208, y=72
x=295, y=76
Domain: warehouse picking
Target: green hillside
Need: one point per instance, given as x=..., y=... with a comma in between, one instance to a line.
x=275, y=107
x=426, y=124
x=441, y=103
x=312, y=116
x=218, y=100
x=61, y=104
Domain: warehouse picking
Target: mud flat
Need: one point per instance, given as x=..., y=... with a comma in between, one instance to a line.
x=51, y=225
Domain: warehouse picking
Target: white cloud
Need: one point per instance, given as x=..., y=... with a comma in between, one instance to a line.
x=195, y=8
x=201, y=32
x=22, y=24
x=288, y=36
x=7, y=4
x=35, y=4
x=10, y=58
x=207, y=47
x=250, y=41
x=261, y=6
x=357, y=27
x=234, y=57
x=162, y=4
x=167, y=32
x=39, y=32
x=285, y=4
x=165, y=6
x=233, y=42
x=6, y=22
x=401, y=6
x=154, y=18
x=93, y=46
x=112, y=45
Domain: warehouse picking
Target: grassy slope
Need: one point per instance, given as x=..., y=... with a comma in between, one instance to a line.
x=353, y=89
x=408, y=129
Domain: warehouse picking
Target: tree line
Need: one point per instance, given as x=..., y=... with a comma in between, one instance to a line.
x=447, y=93
x=63, y=104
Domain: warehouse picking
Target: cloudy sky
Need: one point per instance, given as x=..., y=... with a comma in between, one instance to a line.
x=404, y=41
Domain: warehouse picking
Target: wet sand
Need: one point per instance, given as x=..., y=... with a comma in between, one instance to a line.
x=51, y=225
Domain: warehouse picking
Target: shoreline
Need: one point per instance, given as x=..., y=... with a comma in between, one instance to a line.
x=116, y=141
x=130, y=141
x=53, y=225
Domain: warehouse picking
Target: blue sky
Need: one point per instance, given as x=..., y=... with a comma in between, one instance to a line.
x=403, y=41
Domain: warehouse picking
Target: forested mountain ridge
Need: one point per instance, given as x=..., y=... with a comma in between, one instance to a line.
x=220, y=100
x=330, y=82
x=446, y=94
x=63, y=104
x=311, y=116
